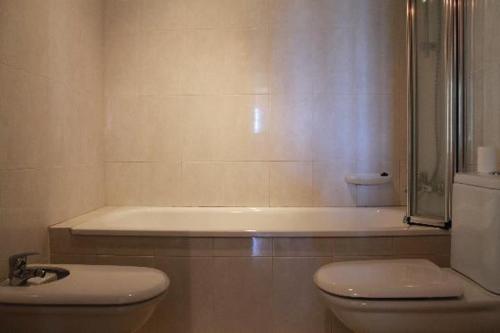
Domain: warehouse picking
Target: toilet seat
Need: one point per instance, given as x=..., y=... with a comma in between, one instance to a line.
x=91, y=285
x=388, y=279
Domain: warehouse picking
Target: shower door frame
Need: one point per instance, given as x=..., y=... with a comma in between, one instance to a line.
x=453, y=75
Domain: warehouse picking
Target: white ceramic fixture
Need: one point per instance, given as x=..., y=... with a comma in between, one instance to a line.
x=414, y=295
x=368, y=178
x=244, y=222
x=109, y=299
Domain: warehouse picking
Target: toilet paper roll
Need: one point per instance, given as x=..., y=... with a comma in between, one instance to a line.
x=486, y=159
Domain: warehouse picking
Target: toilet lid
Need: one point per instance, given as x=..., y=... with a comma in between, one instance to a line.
x=389, y=279
x=91, y=285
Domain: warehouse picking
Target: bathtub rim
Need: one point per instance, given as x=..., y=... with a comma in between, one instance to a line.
x=401, y=229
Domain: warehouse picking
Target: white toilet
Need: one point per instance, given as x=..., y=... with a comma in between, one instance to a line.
x=109, y=299
x=415, y=295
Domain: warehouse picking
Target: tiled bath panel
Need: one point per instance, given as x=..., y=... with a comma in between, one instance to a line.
x=241, y=284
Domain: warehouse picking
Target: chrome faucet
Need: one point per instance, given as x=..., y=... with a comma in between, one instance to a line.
x=19, y=273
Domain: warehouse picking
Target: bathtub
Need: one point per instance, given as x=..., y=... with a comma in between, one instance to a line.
x=255, y=260
x=245, y=222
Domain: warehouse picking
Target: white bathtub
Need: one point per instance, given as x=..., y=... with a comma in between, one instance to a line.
x=245, y=222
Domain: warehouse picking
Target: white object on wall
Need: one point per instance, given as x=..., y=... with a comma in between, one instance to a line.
x=368, y=178
x=486, y=159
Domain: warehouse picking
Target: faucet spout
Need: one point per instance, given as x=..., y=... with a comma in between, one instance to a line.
x=19, y=273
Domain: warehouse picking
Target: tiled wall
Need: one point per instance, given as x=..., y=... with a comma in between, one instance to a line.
x=485, y=77
x=253, y=102
x=241, y=284
x=51, y=118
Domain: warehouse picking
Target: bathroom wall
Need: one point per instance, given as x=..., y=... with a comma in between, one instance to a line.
x=51, y=118
x=253, y=102
x=484, y=78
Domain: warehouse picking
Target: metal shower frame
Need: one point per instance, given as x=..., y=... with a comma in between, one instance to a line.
x=453, y=18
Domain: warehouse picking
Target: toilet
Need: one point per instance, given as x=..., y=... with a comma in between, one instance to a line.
x=109, y=299
x=415, y=295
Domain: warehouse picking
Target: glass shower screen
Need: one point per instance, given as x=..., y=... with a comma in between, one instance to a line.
x=431, y=105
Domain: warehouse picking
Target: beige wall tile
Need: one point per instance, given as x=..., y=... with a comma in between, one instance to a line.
x=246, y=60
x=290, y=127
x=183, y=247
x=243, y=14
x=257, y=81
x=124, y=183
x=247, y=309
x=292, y=15
x=203, y=62
x=122, y=61
x=202, y=184
x=124, y=246
x=163, y=127
x=292, y=65
x=363, y=246
x=243, y=247
x=188, y=305
x=297, y=306
x=335, y=126
x=122, y=16
x=62, y=242
x=163, y=184
x=384, y=195
x=440, y=260
x=225, y=184
x=229, y=128
x=290, y=184
x=163, y=15
x=70, y=259
x=337, y=65
x=302, y=247
x=329, y=185
x=24, y=42
x=439, y=245
x=162, y=53
x=127, y=132
x=201, y=127
x=21, y=101
x=143, y=261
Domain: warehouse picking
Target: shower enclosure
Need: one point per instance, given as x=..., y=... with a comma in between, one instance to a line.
x=433, y=104
x=454, y=103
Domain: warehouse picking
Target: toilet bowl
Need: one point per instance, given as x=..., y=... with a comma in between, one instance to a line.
x=110, y=299
x=414, y=295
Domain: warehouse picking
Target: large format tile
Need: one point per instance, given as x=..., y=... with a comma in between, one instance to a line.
x=188, y=305
x=225, y=184
x=144, y=261
x=329, y=185
x=63, y=242
x=183, y=247
x=363, y=246
x=243, y=295
x=290, y=184
x=302, y=247
x=439, y=245
x=243, y=247
x=291, y=127
x=297, y=306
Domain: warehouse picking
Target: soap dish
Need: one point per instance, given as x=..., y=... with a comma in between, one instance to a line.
x=368, y=178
